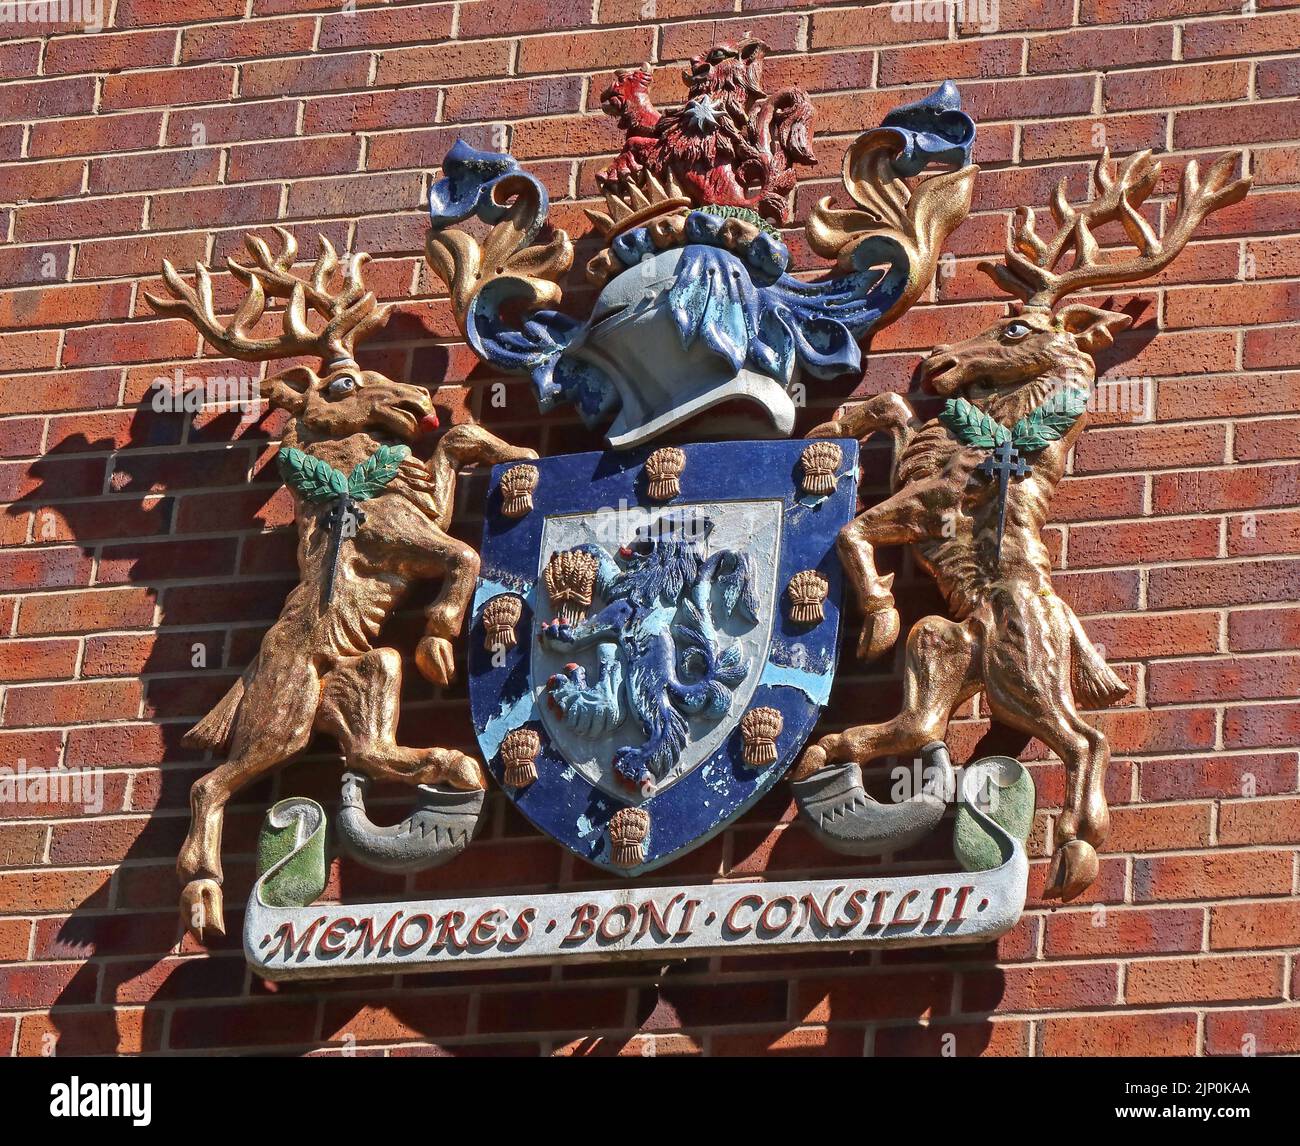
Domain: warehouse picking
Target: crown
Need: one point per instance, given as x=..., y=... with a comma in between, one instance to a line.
x=519, y=752
x=570, y=576
x=500, y=616
x=517, y=485
x=634, y=201
x=628, y=829
x=662, y=469
x=759, y=728
x=806, y=592
x=819, y=463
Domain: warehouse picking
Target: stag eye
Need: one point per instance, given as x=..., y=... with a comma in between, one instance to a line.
x=1016, y=330
x=718, y=55
x=341, y=386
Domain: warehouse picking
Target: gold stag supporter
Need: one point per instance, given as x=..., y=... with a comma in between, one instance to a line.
x=318, y=669
x=1018, y=387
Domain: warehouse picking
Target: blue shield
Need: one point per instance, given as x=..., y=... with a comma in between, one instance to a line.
x=655, y=630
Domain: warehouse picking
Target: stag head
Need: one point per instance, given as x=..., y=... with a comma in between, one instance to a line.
x=1039, y=337
x=341, y=398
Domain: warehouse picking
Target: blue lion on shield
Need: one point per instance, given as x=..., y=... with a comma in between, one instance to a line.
x=656, y=642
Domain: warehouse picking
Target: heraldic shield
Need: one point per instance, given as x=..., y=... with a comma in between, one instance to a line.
x=654, y=635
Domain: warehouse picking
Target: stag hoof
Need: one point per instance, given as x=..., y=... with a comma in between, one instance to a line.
x=435, y=659
x=879, y=633
x=201, y=910
x=1074, y=867
x=462, y=772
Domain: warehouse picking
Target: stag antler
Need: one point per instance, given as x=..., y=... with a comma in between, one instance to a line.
x=350, y=314
x=1029, y=271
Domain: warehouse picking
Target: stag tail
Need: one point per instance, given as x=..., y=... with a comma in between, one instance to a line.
x=214, y=729
x=1092, y=680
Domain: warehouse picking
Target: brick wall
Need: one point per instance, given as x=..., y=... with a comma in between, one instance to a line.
x=132, y=536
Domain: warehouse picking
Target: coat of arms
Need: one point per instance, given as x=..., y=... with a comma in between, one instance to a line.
x=653, y=628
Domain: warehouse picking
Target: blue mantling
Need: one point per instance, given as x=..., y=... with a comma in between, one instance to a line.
x=737, y=301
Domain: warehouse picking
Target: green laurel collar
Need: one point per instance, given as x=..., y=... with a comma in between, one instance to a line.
x=1039, y=428
x=316, y=480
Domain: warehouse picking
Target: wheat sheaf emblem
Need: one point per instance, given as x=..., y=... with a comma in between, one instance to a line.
x=570, y=577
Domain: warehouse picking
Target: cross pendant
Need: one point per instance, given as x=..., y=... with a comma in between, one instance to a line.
x=1003, y=463
x=342, y=520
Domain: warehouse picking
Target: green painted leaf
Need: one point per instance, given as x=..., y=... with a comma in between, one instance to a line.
x=371, y=476
x=1051, y=421
x=313, y=479
x=973, y=427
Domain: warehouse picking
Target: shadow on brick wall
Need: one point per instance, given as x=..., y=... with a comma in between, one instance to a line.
x=185, y=561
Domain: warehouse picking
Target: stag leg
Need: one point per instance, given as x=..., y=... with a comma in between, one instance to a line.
x=359, y=708
x=911, y=515
x=459, y=447
x=443, y=619
x=1027, y=675
x=273, y=725
x=937, y=677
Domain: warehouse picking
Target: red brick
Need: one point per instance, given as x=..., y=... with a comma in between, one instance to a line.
x=501, y=99
x=1236, y=926
x=579, y=51
x=169, y=88
x=231, y=204
x=1212, y=875
x=163, y=170
x=83, y=219
x=415, y=1017
x=1256, y=34
x=1142, y=541
x=506, y=17
x=1227, y=776
x=1258, y=630
x=248, y=38
x=556, y=1010
x=262, y=1023
x=1149, y=447
x=371, y=111
x=1204, y=979
x=86, y=611
x=1155, y=634
x=28, y=181
x=46, y=99
x=293, y=158
x=1260, y=822
x=1124, y=1035
x=1123, y=931
x=1225, y=583
x=1262, y=1030
x=204, y=126
x=58, y=305
x=1252, y=678
x=433, y=63
x=300, y=76
x=71, y=703
x=1227, y=127
x=879, y=995
x=1041, y=987
x=1266, y=439
x=1160, y=827
x=1181, y=84
x=109, y=51
x=1081, y=49
x=37, y=660
x=137, y=13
